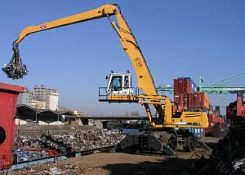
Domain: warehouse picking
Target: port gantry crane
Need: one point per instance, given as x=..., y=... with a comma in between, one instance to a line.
x=219, y=87
x=167, y=137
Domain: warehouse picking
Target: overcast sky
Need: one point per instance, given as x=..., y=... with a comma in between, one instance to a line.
x=179, y=38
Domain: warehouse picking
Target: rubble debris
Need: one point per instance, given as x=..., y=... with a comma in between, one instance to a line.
x=49, y=142
x=238, y=164
x=24, y=155
x=228, y=156
x=75, y=141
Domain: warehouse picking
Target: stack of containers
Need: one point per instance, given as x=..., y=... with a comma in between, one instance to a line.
x=218, y=116
x=182, y=87
x=212, y=119
x=187, y=97
x=216, y=122
x=198, y=100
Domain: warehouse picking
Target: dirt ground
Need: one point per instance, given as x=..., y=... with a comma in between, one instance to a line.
x=120, y=164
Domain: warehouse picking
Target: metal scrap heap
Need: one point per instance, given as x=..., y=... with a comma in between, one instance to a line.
x=49, y=142
x=75, y=141
x=228, y=156
x=15, y=69
x=87, y=140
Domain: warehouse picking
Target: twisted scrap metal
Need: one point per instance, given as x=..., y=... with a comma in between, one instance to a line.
x=15, y=69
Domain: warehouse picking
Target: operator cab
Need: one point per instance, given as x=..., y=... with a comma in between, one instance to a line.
x=119, y=83
x=119, y=88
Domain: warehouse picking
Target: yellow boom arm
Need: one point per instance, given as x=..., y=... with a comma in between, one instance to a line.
x=162, y=104
x=127, y=39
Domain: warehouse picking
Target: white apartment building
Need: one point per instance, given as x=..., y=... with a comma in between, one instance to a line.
x=53, y=100
x=48, y=95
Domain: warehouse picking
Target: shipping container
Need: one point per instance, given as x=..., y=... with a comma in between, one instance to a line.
x=221, y=120
x=182, y=85
x=198, y=100
x=181, y=100
x=212, y=118
x=217, y=115
x=198, y=132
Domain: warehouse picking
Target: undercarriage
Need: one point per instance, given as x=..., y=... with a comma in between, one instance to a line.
x=165, y=142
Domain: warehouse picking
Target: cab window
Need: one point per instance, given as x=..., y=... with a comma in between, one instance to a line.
x=116, y=83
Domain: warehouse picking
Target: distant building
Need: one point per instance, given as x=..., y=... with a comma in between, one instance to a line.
x=38, y=104
x=48, y=95
x=41, y=97
x=25, y=98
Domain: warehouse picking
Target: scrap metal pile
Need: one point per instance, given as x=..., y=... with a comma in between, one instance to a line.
x=25, y=155
x=228, y=157
x=75, y=141
x=15, y=69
